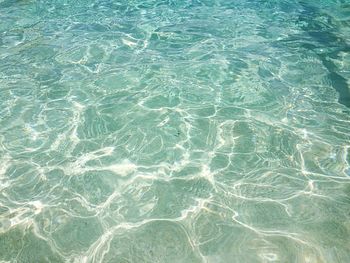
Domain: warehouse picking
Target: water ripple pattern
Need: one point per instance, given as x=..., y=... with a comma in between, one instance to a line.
x=174, y=131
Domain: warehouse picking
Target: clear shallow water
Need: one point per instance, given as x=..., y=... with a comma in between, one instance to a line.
x=174, y=131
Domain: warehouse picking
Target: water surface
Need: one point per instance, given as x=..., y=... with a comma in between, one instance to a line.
x=174, y=131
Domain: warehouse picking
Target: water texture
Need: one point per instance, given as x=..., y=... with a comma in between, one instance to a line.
x=174, y=131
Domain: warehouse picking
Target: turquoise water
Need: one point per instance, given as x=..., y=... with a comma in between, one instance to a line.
x=174, y=131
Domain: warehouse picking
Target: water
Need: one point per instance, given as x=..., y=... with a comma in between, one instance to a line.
x=174, y=131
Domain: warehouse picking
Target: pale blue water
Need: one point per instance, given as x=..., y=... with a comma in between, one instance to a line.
x=174, y=131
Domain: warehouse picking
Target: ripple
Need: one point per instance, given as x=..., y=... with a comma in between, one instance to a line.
x=160, y=131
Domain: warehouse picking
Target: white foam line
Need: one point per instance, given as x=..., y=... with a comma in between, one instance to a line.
x=5, y=164
x=97, y=250
x=292, y=236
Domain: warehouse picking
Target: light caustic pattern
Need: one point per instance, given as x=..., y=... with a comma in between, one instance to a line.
x=174, y=131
